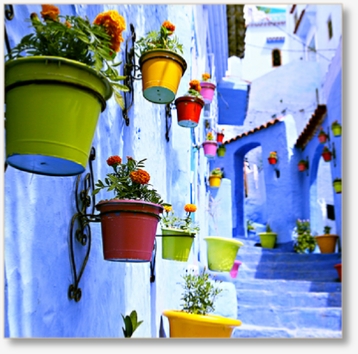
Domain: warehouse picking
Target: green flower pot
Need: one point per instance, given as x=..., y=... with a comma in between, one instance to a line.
x=221, y=252
x=176, y=244
x=267, y=239
x=52, y=109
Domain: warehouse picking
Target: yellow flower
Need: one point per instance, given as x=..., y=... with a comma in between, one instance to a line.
x=206, y=76
x=190, y=208
x=168, y=208
x=114, y=25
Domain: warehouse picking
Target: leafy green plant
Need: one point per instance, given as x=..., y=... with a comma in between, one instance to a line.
x=216, y=172
x=268, y=228
x=327, y=230
x=169, y=220
x=249, y=225
x=159, y=40
x=199, y=293
x=128, y=181
x=131, y=323
x=303, y=239
x=72, y=37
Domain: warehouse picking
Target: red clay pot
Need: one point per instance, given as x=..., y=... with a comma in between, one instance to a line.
x=322, y=138
x=272, y=160
x=327, y=156
x=339, y=270
x=188, y=111
x=301, y=167
x=219, y=137
x=128, y=229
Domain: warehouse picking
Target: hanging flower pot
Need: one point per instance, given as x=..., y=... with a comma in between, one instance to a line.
x=221, y=252
x=272, y=159
x=176, y=244
x=215, y=177
x=336, y=128
x=188, y=111
x=322, y=136
x=302, y=165
x=210, y=148
x=161, y=64
x=220, y=137
x=129, y=221
x=338, y=268
x=207, y=88
x=337, y=185
x=326, y=154
x=53, y=101
x=221, y=151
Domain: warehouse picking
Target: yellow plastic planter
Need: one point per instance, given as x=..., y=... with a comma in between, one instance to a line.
x=52, y=109
x=268, y=239
x=221, y=252
x=176, y=244
x=162, y=71
x=214, y=181
x=186, y=325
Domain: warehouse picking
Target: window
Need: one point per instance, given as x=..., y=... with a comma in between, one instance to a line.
x=276, y=57
x=330, y=28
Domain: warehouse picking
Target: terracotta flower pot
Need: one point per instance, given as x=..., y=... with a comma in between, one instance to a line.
x=207, y=91
x=327, y=243
x=188, y=111
x=128, y=229
x=327, y=156
x=338, y=268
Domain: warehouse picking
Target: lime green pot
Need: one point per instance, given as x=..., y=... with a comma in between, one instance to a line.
x=176, y=244
x=267, y=239
x=221, y=252
x=52, y=109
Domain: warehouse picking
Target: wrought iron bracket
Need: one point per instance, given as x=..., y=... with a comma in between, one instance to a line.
x=168, y=118
x=130, y=71
x=80, y=230
x=334, y=154
x=308, y=166
x=9, y=15
x=152, y=262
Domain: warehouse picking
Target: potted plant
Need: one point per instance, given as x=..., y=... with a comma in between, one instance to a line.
x=220, y=136
x=210, y=146
x=327, y=242
x=189, y=106
x=268, y=238
x=272, y=159
x=57, y=82
x=304, y=242
x=161, y=63
x=337, y=185
x=250, y=228
x=131, y=323
x=129, y=220
x=221, y=151
x=322, y=136
x=326, y=154
x=178, y=233
x=336, y=128
x=302, y=165
x=195, y=320
x=207, y=88
x=338, y=268
x=215, y=177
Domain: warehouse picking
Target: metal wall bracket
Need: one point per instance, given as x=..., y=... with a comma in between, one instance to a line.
x=168, y=118
x=130, y=70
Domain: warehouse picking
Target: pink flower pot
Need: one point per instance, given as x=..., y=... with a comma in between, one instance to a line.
x=210, y=148
x=207, y=91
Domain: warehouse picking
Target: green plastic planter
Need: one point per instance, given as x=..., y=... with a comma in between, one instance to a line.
x=52, y=109
x=176, y=244
x=268, y=239
x=221, y=252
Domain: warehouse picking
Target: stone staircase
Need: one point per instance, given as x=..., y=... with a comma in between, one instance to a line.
x=282, y=294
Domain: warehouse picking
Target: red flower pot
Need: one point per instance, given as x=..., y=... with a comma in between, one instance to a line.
x=302, y=167
x=219, y=137
x=339, y=270
x=188, y=111
x=322, y=138
x=272, y=160
x=128, y=229
x=207, y=91
x=327, y=156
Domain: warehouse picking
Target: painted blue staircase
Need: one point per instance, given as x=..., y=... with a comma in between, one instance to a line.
x=282, y=294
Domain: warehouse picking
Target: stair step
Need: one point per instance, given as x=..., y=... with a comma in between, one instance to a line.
x=291, y=318
x=288, y=298
x=288, y=266
x=252, y=331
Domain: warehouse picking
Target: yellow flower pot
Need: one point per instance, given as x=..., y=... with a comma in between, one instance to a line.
x=161, y=73
x=221, y=252
x=215, y=181
x=187, y=325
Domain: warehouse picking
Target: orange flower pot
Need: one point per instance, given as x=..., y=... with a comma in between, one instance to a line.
x=327, y=243
x=128, y=229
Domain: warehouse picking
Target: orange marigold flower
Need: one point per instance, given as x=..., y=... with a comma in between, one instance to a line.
x=206, y=76
x=140, y=176
x=114, y=160
x=169, y=26
x=50, y=12
x=190, y=208
x=195, y=85
x=114, y=25
x=168, y=208
x=67, y=24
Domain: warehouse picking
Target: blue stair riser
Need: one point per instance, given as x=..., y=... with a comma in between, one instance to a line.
x=287, y=285
x=287, y=266
x=291, y=318
x=287, y=257
x=288, y=299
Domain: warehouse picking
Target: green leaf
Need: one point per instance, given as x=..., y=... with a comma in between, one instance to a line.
x=119, y=99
